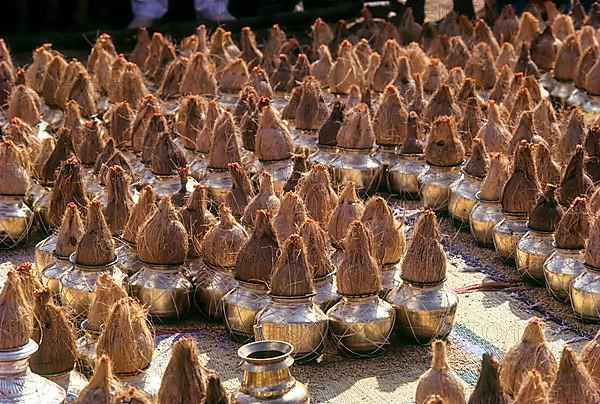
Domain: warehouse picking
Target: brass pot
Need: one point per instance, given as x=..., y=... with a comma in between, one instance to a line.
x=592, y=105
x=52, y=273
x=532, y=251
x=297, y=321
x=135, y=162
x=86, y=348
x=145, y=381
x=323, y=155
x=361, y=326
x=305, y=141
x=562, y=90
x=463, y=197
x=198, y=168
x=267, y=377
x=358, y=166
x=218, y=183
x=578, y=97
x=404, y=175
x=92, y=185
x=547, y=81
x=390, y=278
x=71, y=382
x=240, y=307
x=210, y=285
x=78, y=284
x=280, y=172
x=435, y=184
x=424, y=312
x=166, y=185
x=585, y=294
x=388, y=155
x=482, y=219
x=561, y=267
x=250, y=162
x=507, y=234
x=163, y=290
x=16, y=221
x=326, y=294
x=20, y=385
x=43, y=253
x=38, y=199
x=228, y=101
x=128, y=261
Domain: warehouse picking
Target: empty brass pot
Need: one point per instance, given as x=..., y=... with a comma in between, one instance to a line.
x=240, y=307
x=358, y=166
x=463, y=198
x=507, y=234
x=560, y=269
x=482, y=219
x=585, y=294
x=435, y=186
x=361, y=326
x=210, y=285
x=16, y=221
x=532, y=251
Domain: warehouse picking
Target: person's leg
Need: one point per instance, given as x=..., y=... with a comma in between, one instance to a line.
x=464, y=7
x=214, y=10
x=146, y=11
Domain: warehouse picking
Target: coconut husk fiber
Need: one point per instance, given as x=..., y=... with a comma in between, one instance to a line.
x=120, y=203
x=444, y=147
x=30, y=282
x=169, y=87
x=456, y=79
x=16, y=314
x=91, y=145
x=265, y=199
x=592, y=148
x=568, y=53
x=330, y=128
x=319, y=197
x=250, y=52
x=573, y=229
x=104, y=155
x=358, y=273
x=71, y=73
x=524, y=130
x=301, y=68
x=224, y=148
x=260, y=81
x=531, y=353
x=592, y=250
x=586, y=62
x=349, y=208
x=162, y=239
x=283, y=80
x=215, y=392
x=507, y=24
x=83, y=92
x=258, y=255
x=547, y=212
x=73, y=121
x=234, y=76
x=418, y=102
x=25, y=104
x=387, y=233
x=498, y=174
x=184, y=380
x=205, y=135
x=15, y=178
x=470, y=123
x=546, y=121
x=548, y=171
x=145, y=112
x=356, y=131
x=442, y=103
x=132, y=396
x=346, y=70
x=594, y=202
x=521, y=191
x=246, y=102
x=96, y=247
x=591, y=79
x=127, y=338
x=52, y=79
x=144, y=208
x=157, y=125
x=223, y=242
x=478, y=162
x=116, y=160
x=362, y=51
x=241, y=191
x=290, y=217
x=544, y=48
x=575, y=181
x=249, y=124
x=573, y=381
x=525, y=63
x=488, y=389
x=106, y=293
x=190, y=120
x=102, y=71
x=99, y=389
x=413, y=145
x=533, y=390
x=299, y=170
x=425, y=260
x=573, y=134
x=55, y=335
x=70, y=232
x=168, y=158
x=132, y=87
x=322, y=66
x=7, y=82
x=312, y=111
x=273, y=139
x=440, y=379
x=317, y=249
x=387, y=70
x=481, y=66
x=493, y=133
x=389, y=122
x=197, y=219
x=22, y=135
x=117, y=68
x=292, y=275
x=68, y=187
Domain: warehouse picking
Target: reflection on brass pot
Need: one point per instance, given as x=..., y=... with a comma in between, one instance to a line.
x=280, y=172
x=250, y=162
x=38, y=199
x=210, y=285
x=585, y=294
x=267, y=377
x=52, y=273
x=592, y=105
x=423, y=312
x=484, y=216
x=326, y=294
x=388, y=156
x=16, y=221
x=404, y=175
x=145, y=381
x=166, y=185
x=305, y=141
x=217, y=183
x=228, y=101
x=198, y=168
x=297, y=321
x=361, y=326
x=163, y=290
x=358, y=166
x=435, y=186
x=71, y=382
x=463, y=197
x=43, y=253
x=86, y=348
x=390, y=278
x=532, y=251
x=323, y=155
x=128, y=261
x=561, y=267
x=507, y=234
x=240, y=306
x=562, y=90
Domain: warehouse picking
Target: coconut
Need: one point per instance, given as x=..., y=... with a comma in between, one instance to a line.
x=478, y=163
x=7, y=82
x=533, y=390
x=24, y=103
x=99, y=389
x=299, y=169
x=20, y=77
x=241, y=191
x=389, y=122
x=291, y=215
x=117, y=159
x=522, y=103
x=573, y=134
x=387, y=233
x=102, y=74
x=591, y=79
x=458, y=54
x=250, y=52
x=106, y=293
x=531, y=353
x=562, y=26
x=301, y=69
x=594, y=202
x=438, y=46
x=70, y=232
x=133, y=90
x=522, y=188
x=569, y=52
x=444, y=148
x=157, y=125
x=482, y=67
x=592, y=251
x=488, y=389
x=292, y=275
x=330, y=128
x=494, y=135
x=412, y=143
x=282, y=78
x=230, y=47
x=322, y=66
x=321, y=34
x=63, y=150
x=507, y=24
x=68, y=187
x=218, y=54
x=83, y=92
x=204, y=135
x=55, y=335
x=524, y=131
x=593, y=18
x=184, y=380
x=546, y=122
x=265, y=199
x=115, y=93
x=260, y=81
x=498, y=173
x=442, y=103
x=373, y=64
x=141, y=49
x=24, y=137
x=356, y=131
x=547, y=212
x=121, y=121
x=353, y=98
x=470, y=123
x=502, y=86
x=276, y=38
x=584, y=65
x=168, y=158
x=246, y=102
x=52, y=79
x=589, y=357
x=234, y=76
x=547, y=170
x=215, y=392
x=575, y=181
x=349, y=209
x=131, y=396
x=170, y=84
x=37, y=70
x=573, y=381
x=273, y=139
x=525, y=64
x=105, y=155
x=199, y=76
x=573, y=229
x=96, y=247
x=68, y=78
x=440, y=379
x=30, y=283
x=362, y=51
x=311, y=112
x=103, y=43
x=404, y=81
x=5, y=55
x=224, y=148
x=166, y=53
x=418, y=103
x=257, y=256
x=91, y=145
x=449, y=24
x=592, y=148
x=127, y=338
x=222, y=242
x=144, y=208
x=507, y=58
x=197, y=219
x=456, y=78
x=291, y=48
x=319, y=197
x=317, y=249
x=73, y=121
x=387, y=70
x=15, y=178
x=577, y=13
x=346, y=70
x=435, y=74
x=358, y=273
x=17, y=319
x=289, y=111
x=119, y=204
x=410, y=30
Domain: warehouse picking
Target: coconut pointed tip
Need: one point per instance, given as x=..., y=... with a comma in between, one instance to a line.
x=225, y=216
x=534, y=332
x=349, y=195
x=439, y=360
x=427, y=226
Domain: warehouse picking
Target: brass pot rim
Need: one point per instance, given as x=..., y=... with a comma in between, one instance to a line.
x=456, y=167
x=13, y=196
x=352, y=150
x=246, y=350
x=19, y=353
x=58, y=374
x=413, y=156
x=591, y=267
x=470, y=176
x=362, y=297
x=253, y=285
x=61, y=257
x=73, y=257
x=423, y=284
x=291, y=299
x=324, y=278
x=162, y=267
x=217, y=267
x=327, y=146
x=515, y=215
x=568, y=250
x=86, y=329
x=485, y=200
x=389, y=147
x=542, y=232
